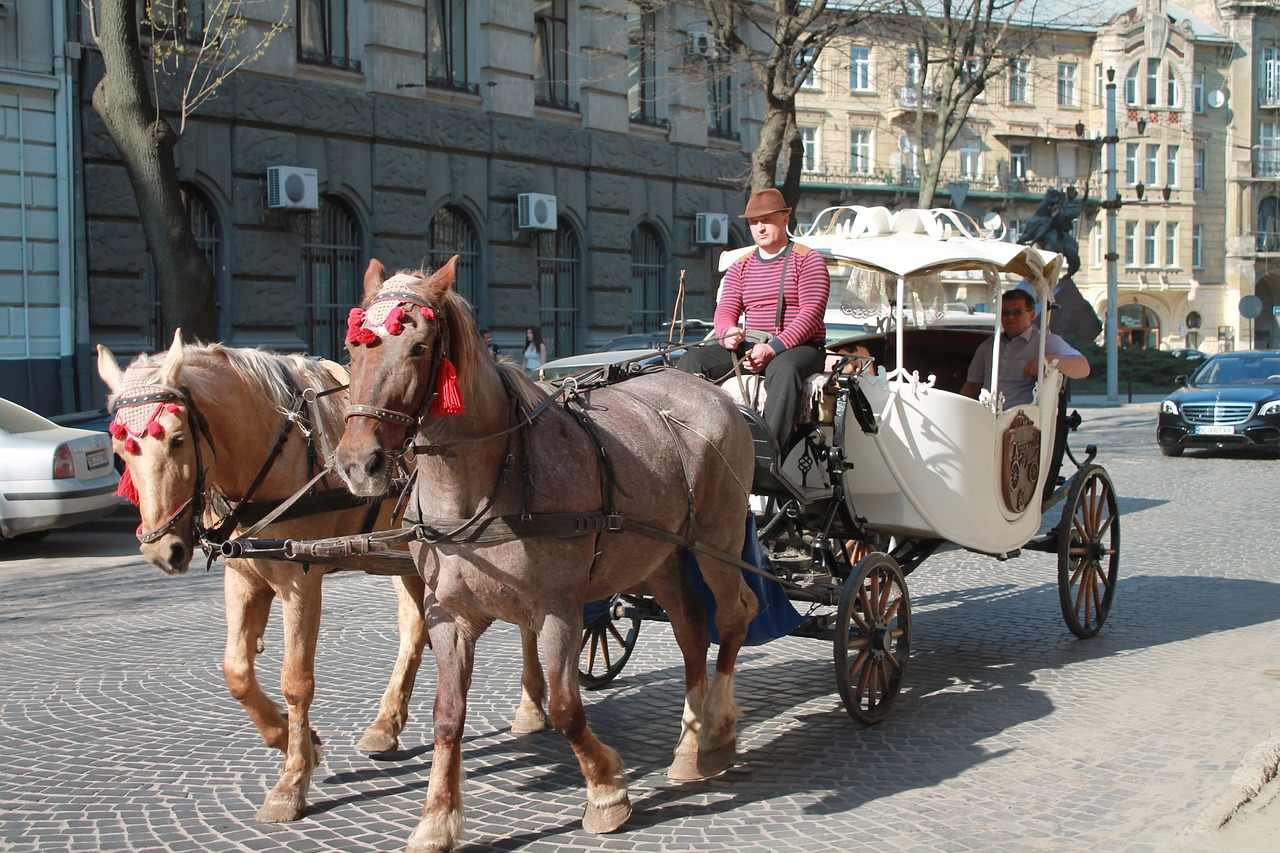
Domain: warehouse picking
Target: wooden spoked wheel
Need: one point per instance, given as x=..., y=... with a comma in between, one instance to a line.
x=873, y=638
x=607, y=643
x=1088, y=552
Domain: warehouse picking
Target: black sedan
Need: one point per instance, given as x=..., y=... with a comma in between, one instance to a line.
x=1231, y=401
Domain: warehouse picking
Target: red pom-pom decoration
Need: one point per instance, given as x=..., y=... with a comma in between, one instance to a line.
x=154, y=429
x=171, y=408
x=131, y=446
x=394, y=324
x=117, y=430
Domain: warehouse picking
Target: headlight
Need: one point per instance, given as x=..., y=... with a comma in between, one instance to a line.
x=1168, y=407
x=1272, y=408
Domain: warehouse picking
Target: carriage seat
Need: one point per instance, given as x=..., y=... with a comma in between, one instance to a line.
x=748, y=390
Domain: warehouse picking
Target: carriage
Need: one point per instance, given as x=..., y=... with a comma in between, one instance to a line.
x=893, y=462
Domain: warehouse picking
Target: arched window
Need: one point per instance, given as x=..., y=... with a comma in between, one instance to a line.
x=1139, y=326
x=452, y=233
x=332, y=246
x=1269, y=225
x=1131, y=86
x=559, y=273
x=648, y=280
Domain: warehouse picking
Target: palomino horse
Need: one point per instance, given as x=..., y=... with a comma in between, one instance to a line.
x=203, y=420
x=525, y=508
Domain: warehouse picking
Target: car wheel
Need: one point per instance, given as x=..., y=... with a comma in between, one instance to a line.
x=1171, y=451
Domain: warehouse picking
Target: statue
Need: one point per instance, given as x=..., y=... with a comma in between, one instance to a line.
x=1052, y=228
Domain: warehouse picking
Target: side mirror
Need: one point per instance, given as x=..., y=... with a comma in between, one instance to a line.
x=1180, y=379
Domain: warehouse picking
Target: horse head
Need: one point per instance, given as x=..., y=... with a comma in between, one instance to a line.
x=154, y=433
x=416, y=359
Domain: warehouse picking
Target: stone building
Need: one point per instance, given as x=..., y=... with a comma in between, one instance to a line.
x=564, y=149
x=1197, y=159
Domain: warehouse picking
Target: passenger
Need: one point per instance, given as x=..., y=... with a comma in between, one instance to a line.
x=1019, y=353
x=777, y=270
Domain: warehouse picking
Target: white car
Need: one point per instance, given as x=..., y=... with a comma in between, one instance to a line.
x=51, y=476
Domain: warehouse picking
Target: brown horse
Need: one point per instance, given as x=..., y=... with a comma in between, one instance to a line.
x=524, y=512
x=202, y=420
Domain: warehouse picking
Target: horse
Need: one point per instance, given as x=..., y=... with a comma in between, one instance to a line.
x=525, y=507
x=203, y=428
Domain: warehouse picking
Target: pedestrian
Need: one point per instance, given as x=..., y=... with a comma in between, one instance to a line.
x=487, y=336
x=781, y=290
x=535, y=351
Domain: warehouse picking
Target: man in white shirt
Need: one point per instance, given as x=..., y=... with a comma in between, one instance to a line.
x=1020, y=353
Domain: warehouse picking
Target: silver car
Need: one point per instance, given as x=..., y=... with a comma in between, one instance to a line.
x=51, y=476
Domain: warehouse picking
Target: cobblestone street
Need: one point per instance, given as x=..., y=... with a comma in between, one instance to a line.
x=118, y=734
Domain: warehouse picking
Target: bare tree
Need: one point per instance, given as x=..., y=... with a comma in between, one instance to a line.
x=190, y=59
x=794, y=34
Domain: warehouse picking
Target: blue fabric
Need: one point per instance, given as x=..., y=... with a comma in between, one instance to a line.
x=777, y=617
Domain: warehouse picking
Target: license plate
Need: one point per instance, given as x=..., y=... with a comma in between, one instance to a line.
x=1215, y=429
x=97, y=459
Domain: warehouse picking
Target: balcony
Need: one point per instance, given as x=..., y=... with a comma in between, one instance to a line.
x=1266, y=163
x=1269, y=97
x=1265, y=242
x=983, y=185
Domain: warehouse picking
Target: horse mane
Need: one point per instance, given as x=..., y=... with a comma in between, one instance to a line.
x=467, y=350
x=268, y=371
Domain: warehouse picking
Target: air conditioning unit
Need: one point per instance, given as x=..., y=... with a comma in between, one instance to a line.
x=701, y=43
x=292, y=188
x=536, y=211
x=711, y=228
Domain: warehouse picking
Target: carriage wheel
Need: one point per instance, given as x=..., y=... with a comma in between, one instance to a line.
x=1088, y=552
x=607, y=643
x=873, y=638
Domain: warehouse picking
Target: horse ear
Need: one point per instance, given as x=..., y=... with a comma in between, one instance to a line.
x=374, y=276
x=173, y=360
x=108, y=369
x=447, y=275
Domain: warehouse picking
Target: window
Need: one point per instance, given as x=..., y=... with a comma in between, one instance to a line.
x=1171, y=165
x=1131, y=163
x=551, y=53
x=1268, y=150
x=1198, y=168
x=809, y=138
x=1269, y=225
x=641, y=64
x=1067, y=84
x=1269, y=77
x=970, y=164
x=1131, y=86
x=648, y=280
x=1173, y=92
x=1097, y=245
x=559, y=276
x=860, y=152
x=1016, y=228
x=1197, y=246
x=914, y=69
x=1153, y=82
x=1149, y=244
x=323, y=38
x=1130, y=243
x=447, y=44
x=1139, y=326
x=969, y=71
x=202, y=218
x=1197, y=94
x=1153, y=159
x=805, y=66
x=453, y=233
x=163, y=19
x=1099, y=83
x=910, y=168
x=1019, y=157
x=1018, y=93
x=332, y=245
x=1171, y=244
x=720, y=104
x=860, y=69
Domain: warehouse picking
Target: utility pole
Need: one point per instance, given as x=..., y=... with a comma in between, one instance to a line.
x=1112, y=204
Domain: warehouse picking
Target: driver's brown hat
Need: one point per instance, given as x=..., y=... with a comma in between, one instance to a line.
x=764, y=202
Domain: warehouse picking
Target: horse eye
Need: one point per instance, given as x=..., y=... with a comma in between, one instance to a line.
x=418, y=350
x=176, y=441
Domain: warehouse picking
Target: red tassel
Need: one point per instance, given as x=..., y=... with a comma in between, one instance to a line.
x=117, y=430
x=154, y=429
x=131, y=446
x=127, y=489
x=448, y=395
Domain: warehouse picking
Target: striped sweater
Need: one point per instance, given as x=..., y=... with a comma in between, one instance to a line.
x=751, y=287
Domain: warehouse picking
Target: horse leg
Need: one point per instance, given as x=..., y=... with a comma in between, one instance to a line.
x=736, y=606
x=383, y=734
x=441, y=823
x=530, y=716
x=300, y=600
x=608, y=806
x=248, y=605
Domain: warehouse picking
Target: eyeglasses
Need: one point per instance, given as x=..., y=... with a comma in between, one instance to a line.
x=1014, y=312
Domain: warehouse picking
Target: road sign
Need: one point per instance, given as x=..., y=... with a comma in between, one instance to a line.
x=1250, y=306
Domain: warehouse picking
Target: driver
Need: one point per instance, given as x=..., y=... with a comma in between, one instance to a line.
x=1020, y=353
x=782, y=289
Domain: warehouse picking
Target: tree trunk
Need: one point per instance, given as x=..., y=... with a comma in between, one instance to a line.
x=146, y=143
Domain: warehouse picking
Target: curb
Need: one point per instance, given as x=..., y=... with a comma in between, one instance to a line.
x=1247, y=792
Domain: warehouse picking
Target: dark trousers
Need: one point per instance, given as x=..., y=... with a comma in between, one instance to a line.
x=783, y=379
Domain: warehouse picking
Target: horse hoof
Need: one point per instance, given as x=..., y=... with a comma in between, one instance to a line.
x=377, y=741
x=529, y=722
x=601, y=820
x=280, y=809
x=688, y=767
